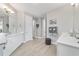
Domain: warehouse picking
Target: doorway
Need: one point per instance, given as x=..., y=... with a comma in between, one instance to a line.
x=39, y=28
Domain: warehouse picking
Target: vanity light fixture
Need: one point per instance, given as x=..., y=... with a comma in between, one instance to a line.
x=7, y=9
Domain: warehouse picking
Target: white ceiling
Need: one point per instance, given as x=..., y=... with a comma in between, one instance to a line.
x=36, y=9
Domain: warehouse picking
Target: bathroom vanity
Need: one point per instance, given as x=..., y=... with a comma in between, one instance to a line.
x=67, y=45
x=13, y=42
x=8, y=43
x=2, y=42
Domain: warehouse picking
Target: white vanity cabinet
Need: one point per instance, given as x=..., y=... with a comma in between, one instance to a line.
x=66, y=50
x=67, y=46
x=9, y=46
x=2, y=42
x=13, y=42
x=1, y=50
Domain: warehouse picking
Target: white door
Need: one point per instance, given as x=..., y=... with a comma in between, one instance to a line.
x=28, y=28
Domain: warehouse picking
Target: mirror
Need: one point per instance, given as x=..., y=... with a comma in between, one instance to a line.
x=75, y=15
x=8, y=22
x=76, y=20
x=12, y=23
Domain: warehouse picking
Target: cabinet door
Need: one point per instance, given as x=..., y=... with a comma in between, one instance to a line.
x=9, y=47
x=1, y=50
x=12, y=44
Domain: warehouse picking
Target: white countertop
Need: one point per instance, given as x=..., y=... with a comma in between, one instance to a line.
x=66, y=39
x=4, y=36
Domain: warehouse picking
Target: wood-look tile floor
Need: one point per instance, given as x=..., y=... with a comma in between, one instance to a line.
x=35, y=47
